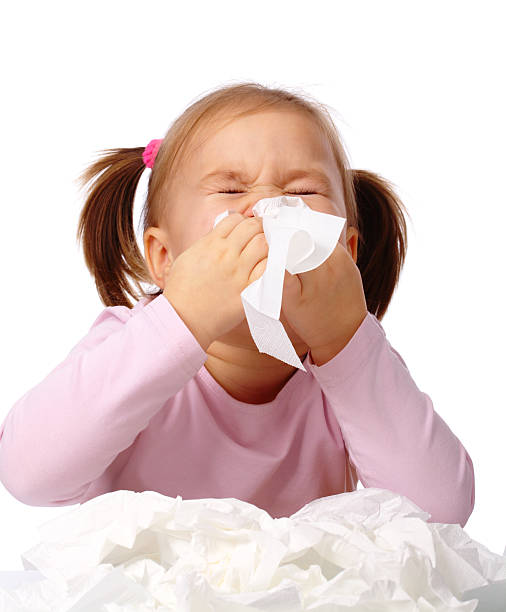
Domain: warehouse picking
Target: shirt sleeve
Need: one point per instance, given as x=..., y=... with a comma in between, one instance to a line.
x=394, y=437
x=63, y=433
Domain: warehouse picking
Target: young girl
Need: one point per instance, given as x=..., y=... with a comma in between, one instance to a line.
x=172, y=395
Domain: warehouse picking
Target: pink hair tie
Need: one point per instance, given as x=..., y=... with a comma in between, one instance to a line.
x=150, y=152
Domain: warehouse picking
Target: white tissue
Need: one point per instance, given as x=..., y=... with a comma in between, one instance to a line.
x=368, y=550
x=300, y=239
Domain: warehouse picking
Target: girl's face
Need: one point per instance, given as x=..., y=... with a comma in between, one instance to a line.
x=258, y=156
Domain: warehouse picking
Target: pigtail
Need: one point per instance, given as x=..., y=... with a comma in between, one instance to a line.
x=382, y=238
x=106, y=225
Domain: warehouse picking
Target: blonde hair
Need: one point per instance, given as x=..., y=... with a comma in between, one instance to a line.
x=106, y=221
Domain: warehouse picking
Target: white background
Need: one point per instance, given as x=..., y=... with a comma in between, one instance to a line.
x=417, y=92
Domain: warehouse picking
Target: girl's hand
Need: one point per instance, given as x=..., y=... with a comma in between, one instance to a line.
x=205, y=281
x=326, y=306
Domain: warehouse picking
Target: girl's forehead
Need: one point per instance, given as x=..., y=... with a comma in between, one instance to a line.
x=276, y=130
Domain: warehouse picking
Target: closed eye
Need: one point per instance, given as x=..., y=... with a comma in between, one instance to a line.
x=292, y=191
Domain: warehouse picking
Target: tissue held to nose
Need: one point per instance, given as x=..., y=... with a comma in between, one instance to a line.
x=299, y=239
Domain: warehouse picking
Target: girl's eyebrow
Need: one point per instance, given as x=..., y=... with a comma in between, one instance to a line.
x=313, y=173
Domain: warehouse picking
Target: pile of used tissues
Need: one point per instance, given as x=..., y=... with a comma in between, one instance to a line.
x=365, y=550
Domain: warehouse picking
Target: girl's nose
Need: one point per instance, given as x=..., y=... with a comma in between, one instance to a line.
x=259, y=194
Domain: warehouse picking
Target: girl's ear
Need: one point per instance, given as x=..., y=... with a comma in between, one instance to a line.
x=352, y=242
x=157, y=254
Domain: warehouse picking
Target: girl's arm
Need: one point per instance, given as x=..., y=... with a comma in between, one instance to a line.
x=63, y=433
x=394, y=437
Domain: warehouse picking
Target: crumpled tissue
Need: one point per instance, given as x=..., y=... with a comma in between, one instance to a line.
x=365, y=550
x=300, y=239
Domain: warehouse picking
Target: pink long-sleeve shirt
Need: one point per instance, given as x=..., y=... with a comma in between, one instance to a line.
x=133, y=407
